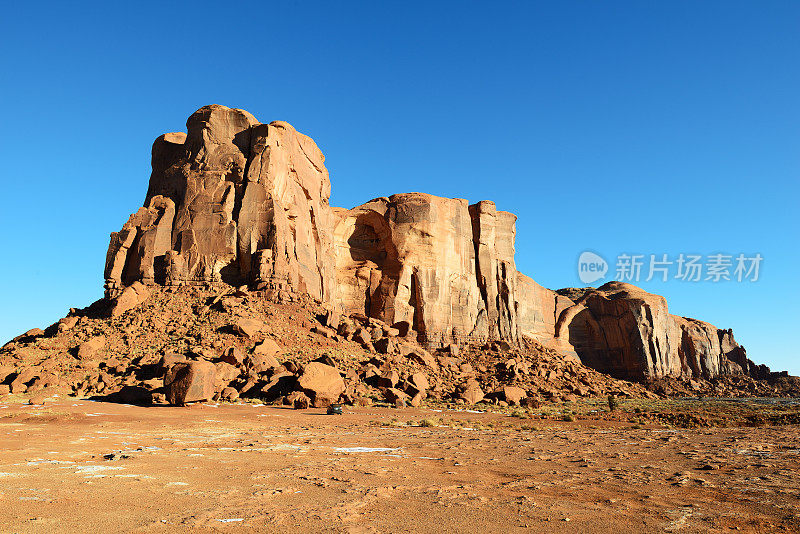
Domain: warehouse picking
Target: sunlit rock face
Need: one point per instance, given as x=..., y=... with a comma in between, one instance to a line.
x=444, y=267
x=234, y=201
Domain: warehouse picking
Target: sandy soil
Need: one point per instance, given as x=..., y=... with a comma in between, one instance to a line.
x=83, y=466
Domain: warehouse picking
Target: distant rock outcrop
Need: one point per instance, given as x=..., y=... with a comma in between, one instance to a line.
x=629, y=333
x=239, y=202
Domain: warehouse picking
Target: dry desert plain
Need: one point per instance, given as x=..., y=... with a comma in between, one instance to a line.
x=76, y=465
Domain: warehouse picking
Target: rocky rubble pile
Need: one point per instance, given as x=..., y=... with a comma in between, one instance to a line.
x=777, y=385
x=190, y=344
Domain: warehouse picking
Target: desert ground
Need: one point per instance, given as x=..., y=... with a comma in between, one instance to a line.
x=80, y=465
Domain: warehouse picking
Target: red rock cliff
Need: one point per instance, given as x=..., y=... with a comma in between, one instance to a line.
x=232, y=200
x=240, y=202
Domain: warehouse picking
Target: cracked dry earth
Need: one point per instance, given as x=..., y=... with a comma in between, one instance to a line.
x=78, y=466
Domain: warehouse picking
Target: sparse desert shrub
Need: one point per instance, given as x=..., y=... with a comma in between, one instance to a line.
x=430, y=422
x=613, y=403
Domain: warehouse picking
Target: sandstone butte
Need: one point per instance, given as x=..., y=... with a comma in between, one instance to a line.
x=234, y=201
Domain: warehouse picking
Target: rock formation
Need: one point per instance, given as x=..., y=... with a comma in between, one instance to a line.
x=538, y=311
x=231, y=200
x=437, y=264
x=629, y=333
x=239, y=202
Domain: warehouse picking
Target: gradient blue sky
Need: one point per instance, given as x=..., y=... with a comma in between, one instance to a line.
x=640, y=127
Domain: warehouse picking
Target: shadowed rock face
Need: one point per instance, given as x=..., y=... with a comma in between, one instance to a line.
x=629, y=333
x=240, y=202
x=231, y=200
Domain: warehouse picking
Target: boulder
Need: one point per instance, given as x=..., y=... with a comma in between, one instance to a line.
x=375, y=332
x=225, y=373
x=452, y=349
x=422, y=357
x=393, y=395
x=129, y=298
x=280, y=384
x=268, y=347
x=419, y=381
x=229, y=394
x=332, y=319
x=190, y=382
x=416, y=400
x=249, y=328
x=324, y=331
x=168, y=360
x=386, y=345
x=6, y=371
x=67, y=323
x=513, y=395
x=22, y=380
x=298, y=400
x=265, y=356
x=322, y=383
x=37, y=400
x=90, y=349
x=389, y=378
x=249, y=387
x=33, y=333
x=472, y=394
x=362, y=336
x=262, y=362
x=233, y=356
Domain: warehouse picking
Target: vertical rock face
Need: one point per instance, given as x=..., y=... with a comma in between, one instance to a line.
x=538, y=311
x=629, y=333
x=442, y=266
x=231, y=200
x=493, y=234
x=409, y=258
x=624, y=331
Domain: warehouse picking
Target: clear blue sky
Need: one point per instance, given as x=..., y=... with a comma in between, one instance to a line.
x=644, y=127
